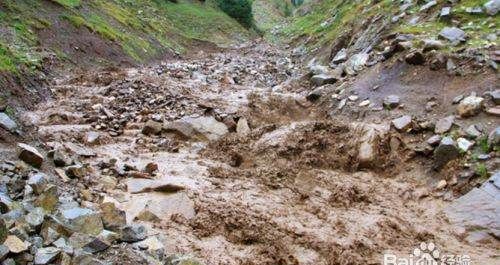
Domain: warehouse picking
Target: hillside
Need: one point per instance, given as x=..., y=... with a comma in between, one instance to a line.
x=103, y=32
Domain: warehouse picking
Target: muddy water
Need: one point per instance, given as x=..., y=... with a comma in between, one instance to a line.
x=298, y=196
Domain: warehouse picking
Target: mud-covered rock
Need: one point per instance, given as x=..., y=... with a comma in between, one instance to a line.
x=152, y=127
x=445, y=152
x=202, y=127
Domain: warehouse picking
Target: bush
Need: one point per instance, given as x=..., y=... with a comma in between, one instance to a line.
x=241, y=10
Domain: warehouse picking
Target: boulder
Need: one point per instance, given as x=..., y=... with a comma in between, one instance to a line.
x=415, y=58
x=403, y=123
x=202, y=128
x=61, y=158
x=340, y=57
x=470, y=106
x=30, y=155
x=445, y=152
x=434, y=140
x=494, y=137
x=453, y=34
x=464, y=145
x=35, y=218
x=473, y=132
x=444, y=125
x=38, y=182
x=16, y=245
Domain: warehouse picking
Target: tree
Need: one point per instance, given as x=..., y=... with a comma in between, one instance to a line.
x=241, y=10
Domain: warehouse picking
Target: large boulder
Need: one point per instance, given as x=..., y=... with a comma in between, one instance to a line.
x=81, y=220
x=470, y=106
x=200, y=128
x=453, y=34
x=113, y=218
x=7, y=123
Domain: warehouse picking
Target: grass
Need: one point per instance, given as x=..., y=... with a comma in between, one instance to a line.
x=143, y=28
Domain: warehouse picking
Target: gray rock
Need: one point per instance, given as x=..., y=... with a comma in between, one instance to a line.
x=445, y=152
x=35, y=217
x=391, y=101
x=318, y=69
x=430, y=44
x=30, y=155
x=428, y=5
x=63, y=245
x=494, y=137
x=82, y=220
x=434, y=140
x=470, y=106
x=453, y=34
x=38, y=182
x=46, y=255
x=340, y=57
x=356, y=63
x=495, y=96
x=152, y=127
x=323, y=79
x=473, y=132
x=444, y=125
x=88, y=243
x=9, y=262
x=92, y=137
x=464, y=145
x=478, y=211
x=133, y=233
x=457, y=99
x=492, y=7
x=4, y=251
x=7, y=123
x=445, y=12
x=403, y=123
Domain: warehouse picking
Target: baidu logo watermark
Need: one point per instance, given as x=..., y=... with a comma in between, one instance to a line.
x=427, y=254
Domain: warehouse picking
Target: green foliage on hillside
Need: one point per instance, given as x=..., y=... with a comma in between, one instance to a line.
x=240, y=10
x=144, y=29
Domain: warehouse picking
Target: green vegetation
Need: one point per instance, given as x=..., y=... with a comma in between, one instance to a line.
x=482, y=171
x=144, y=29
x=240, y=10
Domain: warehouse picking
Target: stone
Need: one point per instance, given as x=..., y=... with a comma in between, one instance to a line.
x=7, y=123
x=444, y=125
x=453, y=35
x=152, y=128
x=75, y=171
x=112, y=218
x=242, y=127
x=153, y=246
x=470, y=106
x=63, y=245
x=151, y=168
x=445, y=12
x=494, y=137
x=441, y=184
x=38, y=182
x=30, y=155
x=434, y=140
x=9, y=262
x=16, y=245
x=133, y=233
x=4, y=251
x=78, y=149
x=147, y=216
x=82, y=220
x=478, y=211
x=364, y=103
x=181, y=260
x=356, y=63
x=61, y=159
x=430, y=44
x=494, y=111
x=492, y=7
x=457, y=99
x=35, y=217
x=464, y=145
x=353, y=98
x=92, y=138
x=391, y=101
x=340, y=57
x=473, y=132
x=46, y=255
x=5, y=203
x=323, y=79
x=342, y=104
x=202, y=128
x=415, y=58
x=403, y=123
x=495, y=96
x=316, y=69
x=48, y=198
x=88, y=243
x=445, y=152
x=428, y=5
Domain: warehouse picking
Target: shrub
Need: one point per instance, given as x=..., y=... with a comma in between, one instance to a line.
x=241, y=10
